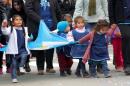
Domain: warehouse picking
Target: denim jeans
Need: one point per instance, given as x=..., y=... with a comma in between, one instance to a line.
x=93, y=64
x=17, y=61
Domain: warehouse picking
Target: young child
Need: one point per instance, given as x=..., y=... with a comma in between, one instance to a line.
x=17, y=45
x=78, y=50
x=97, y=49
x=64, y=59
x=68, y=17
x=117, y=50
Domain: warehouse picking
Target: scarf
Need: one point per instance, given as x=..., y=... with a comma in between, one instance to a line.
x=92, y=7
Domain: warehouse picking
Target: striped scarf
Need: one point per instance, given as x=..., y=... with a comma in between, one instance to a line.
x=92, y=7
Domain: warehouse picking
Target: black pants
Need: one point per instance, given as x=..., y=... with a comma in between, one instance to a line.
x=81, y=67
x=125, y=31
x=42, y=56
x=1, y=59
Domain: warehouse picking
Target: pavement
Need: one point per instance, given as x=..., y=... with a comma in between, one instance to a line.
x=32, y=79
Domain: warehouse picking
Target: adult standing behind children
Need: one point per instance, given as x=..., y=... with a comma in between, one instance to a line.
x=3, y=18
x=92, y=11
x=119, y=13
x=47, y=10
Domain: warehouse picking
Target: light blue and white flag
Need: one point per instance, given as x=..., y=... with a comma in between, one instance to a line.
x=47, y=39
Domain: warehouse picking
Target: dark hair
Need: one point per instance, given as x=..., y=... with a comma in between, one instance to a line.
x=13, y=18
x=79, y=18
x=100, y=24
x=19, y=2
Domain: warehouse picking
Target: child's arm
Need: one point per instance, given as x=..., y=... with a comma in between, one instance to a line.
x=70, y=37
x=85, y=38
x=5, y=30
x=112, y=29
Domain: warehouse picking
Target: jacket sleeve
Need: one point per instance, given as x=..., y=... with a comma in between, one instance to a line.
x=6, y=30
x=30, y=11
x=111, y=11
x=2, y=11
x=105, y=8
x=78, y=8
x=58, y=11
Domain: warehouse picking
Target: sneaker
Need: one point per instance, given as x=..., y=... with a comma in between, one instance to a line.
x=78, y=74
x=86, y=75
x=119, y=69
x=62, y=74
x=50, y=71
x=14, y=80
x=27, y=67
x=1, y=71
x=21, y=69
x=108, y=75
x=40, y=72
x=127, y=71
x=69, y=72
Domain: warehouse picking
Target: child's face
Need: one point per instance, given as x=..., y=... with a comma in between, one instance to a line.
x=104, y=30
x=17, y=6
x=67, y=29
x=68, y=18
x=17, y=22
x=80, y=24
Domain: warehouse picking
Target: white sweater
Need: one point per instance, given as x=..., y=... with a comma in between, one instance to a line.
x=12, y=47
x=81, y=9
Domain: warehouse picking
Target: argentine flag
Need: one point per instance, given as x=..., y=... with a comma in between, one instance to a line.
x=45, y=39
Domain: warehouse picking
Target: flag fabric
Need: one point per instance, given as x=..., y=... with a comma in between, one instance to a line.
x=46, y=39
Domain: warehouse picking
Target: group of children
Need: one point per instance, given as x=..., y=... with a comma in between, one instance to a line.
x=89, y=46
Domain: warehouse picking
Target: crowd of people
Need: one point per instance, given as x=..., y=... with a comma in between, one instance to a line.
x=91, y=24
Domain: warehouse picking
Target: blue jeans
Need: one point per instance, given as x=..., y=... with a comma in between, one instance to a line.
x=17, y=61
x=93, y=64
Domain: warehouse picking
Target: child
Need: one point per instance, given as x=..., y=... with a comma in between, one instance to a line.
x=116, y=41
x=78, y=50
x=64, y=58
x=68, y=17
x=17, y=45
x=98, y=48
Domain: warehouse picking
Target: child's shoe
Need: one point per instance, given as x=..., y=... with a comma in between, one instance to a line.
x=69, y=72
x=108, y=75
x=78, y=74
x=86, y=75
x=27, y=67
x=119, y=69
x=62, y=73
x=1, y=71
x=21, y=69
x=14, y=80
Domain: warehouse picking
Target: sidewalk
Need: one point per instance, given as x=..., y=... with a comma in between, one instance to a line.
x=32, y=79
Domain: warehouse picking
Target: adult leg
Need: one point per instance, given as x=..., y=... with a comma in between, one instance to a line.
x=125, y=31
x=49, y=60
x=27, y=67
x=40, y=60
x=1, y=62
x=118, y=54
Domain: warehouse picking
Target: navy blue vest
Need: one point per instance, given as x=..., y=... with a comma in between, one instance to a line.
x=99, y=49
x=21, y=41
